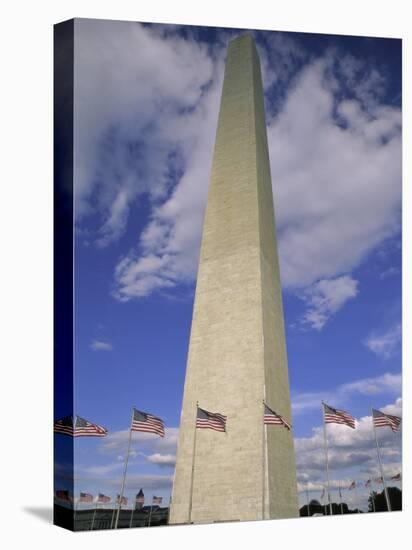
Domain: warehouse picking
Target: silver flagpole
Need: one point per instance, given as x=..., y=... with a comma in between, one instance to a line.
x=326, y=456
x=150, y=514
x=340, y=500
x=193, y=467
x=112, y=522
x=263, y=460
x=388, y=503
x=307, y=500
x=373, y=500
x=357, y=497
x=94, y=515
x=124, y=472
x=131, y=517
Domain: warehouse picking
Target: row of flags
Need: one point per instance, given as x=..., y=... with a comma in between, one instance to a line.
x=367, y=484
x=76, y=426
x=104, y=499
x=380, y=419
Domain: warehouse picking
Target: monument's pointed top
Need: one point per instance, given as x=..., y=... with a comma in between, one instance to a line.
x=247, y=35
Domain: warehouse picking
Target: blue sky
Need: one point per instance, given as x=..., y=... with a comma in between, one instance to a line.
x=146, y=105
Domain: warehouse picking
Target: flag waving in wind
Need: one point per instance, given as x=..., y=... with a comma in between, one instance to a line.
x=75, y=426
x=145, y=422
x=214, y=421
x=270, y=417
x=352, y=486
x=336, y=416
x=86, y=497
x=382, y=419
x=397, y=477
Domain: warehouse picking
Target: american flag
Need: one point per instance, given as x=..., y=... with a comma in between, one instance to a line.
x=379, y=479
x=157, y=500
x=383, y=419
x=336, y=416
x=75, y=426
x=352, y=486
x=103, y=498
x=368, y=483
x=86, y=497
x=122, y=500
x=397, y=477
x=270, y=417
x=145, y=422
x=214, y=421
x=140, y=497
x=63, y=495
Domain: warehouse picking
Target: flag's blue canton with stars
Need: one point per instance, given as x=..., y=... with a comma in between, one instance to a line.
x=381, y=419
x=78, y=427
x=214, y=421
x=270, y=417
x=336, y=416
x=145, y=422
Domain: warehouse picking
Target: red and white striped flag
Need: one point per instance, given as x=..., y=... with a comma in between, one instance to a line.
x=336, y=416
x=157, y=500
x=63, y=495
x=86, y=497
x=214, y=421
x=270, y=417
x=122, y=500
x=145, y=422
x=75, y=426
x=397, y=477
x=103, y=498
x=381, y=419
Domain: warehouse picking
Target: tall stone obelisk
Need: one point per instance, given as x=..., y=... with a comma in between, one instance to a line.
x=237, y=353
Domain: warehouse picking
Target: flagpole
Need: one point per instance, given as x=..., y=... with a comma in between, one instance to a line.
x=371, y=494
x=94, y=515
x=124, y=472
x=326, y=455
x=111, y=523
x=150, y=514
x=357, y=497
x=388, y=503
x=193, y=467
x=263, y=460
x=131, y=517
x=307, y=500
x=75, y=512
x=340, y=500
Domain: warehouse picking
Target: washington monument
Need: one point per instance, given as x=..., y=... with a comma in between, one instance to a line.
x=237, y=352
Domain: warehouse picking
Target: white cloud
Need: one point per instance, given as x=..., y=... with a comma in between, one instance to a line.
x=98, y=345
x=336, y=170
x=116, y=442
x=352, y=453
x=390, y=272
x=387, y=383
x=324, y=298
x=385, y=344
x=162, y=460
x=134, y=91
x=336, y=163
